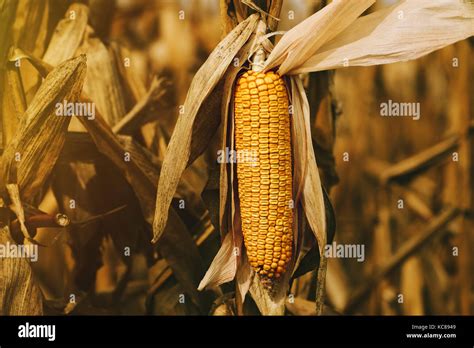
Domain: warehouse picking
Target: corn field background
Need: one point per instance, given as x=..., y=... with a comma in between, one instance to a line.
x=401, y=187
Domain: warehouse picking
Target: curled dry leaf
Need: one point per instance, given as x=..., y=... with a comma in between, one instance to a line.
x=41, y=134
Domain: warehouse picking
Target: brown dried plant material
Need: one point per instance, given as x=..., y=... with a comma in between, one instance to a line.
x=142, y=176
x=301, y=42
x=179, y=149
x=421, y=160
x=31, y=26
x=7, y=15
x=19, y=293
x=412, y=287
x=42, y=67
x=135, y=117
x=228, y=18
x=17, y=208
x=14, y=101
x=41, y=133
x=312, y=192
x=435, y=228
x=129, y=71
x=407, y=30
x=102, y=81
x=68, y=35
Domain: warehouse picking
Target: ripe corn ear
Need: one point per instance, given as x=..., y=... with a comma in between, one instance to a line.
x=262, y=134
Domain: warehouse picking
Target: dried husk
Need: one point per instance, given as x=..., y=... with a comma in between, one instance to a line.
x=223, y=267
x=312, y=196
x=302, y=41
x=401, y=32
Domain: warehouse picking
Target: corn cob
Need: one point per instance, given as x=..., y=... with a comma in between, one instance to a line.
x=262, y=128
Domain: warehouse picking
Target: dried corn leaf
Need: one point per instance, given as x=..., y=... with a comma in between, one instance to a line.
x=102, y=83
x=32, y=23
x=36, y=146
x=135, y=117
x=7, y=15
x=244, y=276
x=14, y=101
x=137, y=171
x=182, y=255
x=129, y=73
x=300, y=43
x=274, y=13
x=223, y=267
x=404, y=31
x=68, y=35
x=179, y=149
x=19, y=293
x=41, y=66
x=17, y=208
